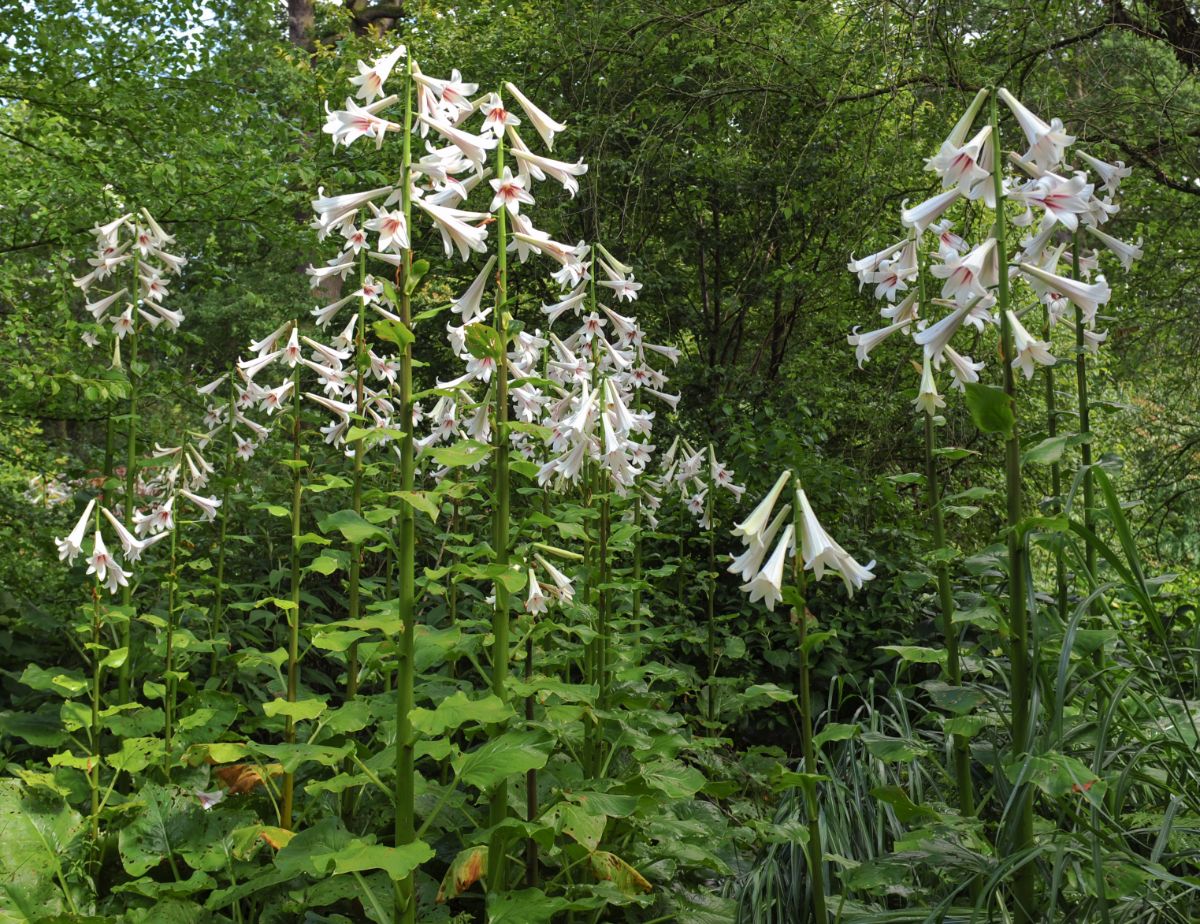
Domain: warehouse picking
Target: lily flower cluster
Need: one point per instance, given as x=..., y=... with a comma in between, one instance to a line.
x=1057, y=197
x=542, y=594
x=142, y=241
x=685, y=471
x=101, y=562
x=819, y=552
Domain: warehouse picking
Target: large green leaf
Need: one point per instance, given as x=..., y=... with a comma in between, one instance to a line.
x=510, y=754
x=352, y=526
x=990, y=408
x=458, y=709
x=166, y=819
x=38, y=832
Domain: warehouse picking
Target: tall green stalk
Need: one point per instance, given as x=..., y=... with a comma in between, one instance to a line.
x=218, y=609
x=95, y=757
x=125, y=671
x=169, y=691
x=293, y=612
x=960, y=746
x=1024, y=884
x=498, y=797
x=710, y=587
x=1060, y=565
x=405, y=908
x=1085, y=418
x=361, y=361
x=814, y=849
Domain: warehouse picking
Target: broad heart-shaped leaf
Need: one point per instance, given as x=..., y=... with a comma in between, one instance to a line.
x=512, y=753
x=608, y=866
x=393, y=332
x=465, y=452
x=577, y=823
x=529, y=906
x=673, y=779
x=463, y=873
x=458, y=709
x=352, y=526
x=300, y=711
x=835, y=731
x=1047, y=452
x=990, y=408
x=892, y=749
x=1058, y=775
x=166, y=819
x=915, y=653
x=37, y=834
x=328, y=848
x=419, y=501
x=958, y=700
x=906, y=810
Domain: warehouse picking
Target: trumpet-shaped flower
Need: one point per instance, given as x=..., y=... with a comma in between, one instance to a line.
x=754, y=526
x=969, y=275
x=962, y=368
x=561, y=170
x=473, y=147
x=391, y=227
x=935, y=337
x=546, y=126
x=959, y=165
x=1047, y=142
x=767, y=585
x=928, y=399
x=370, y=80
x=819, y=551
x=509, y=192
x=921, y=216
x=1110, y=174
x=1030, y=351
x=70, y=547
x=1063, y=200
x=1125, y=252
x=749, y=563
x=495, y=116
x=452, y=223
x=1087, y=296
x=347, y=125
x=864, y=343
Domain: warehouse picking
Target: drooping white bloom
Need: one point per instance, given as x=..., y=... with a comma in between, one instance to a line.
x=535, y=601
x=509, y=192
x=767, y=585
x=1030, y=351
x=562, y=584
x=370, y=80
x=749, y=562
x=1047, y=142
x=969, y=275
x=391, y=227
x=473, y=147
x=754, y=526
x=921, y=216
x=1110, y=174
x=469, y=303
x=864, y=343
x=99, y=308
x=546, y=126
x=959, y=165
x=819, y=551
x=935, y=337
x=70, y=547
x=541, y=167
x=495, y=116
x=207, y=505
x=1063, y=200
x=928, y=399
x=1125, y=252
x=332, y=211
x=866, y=265
x=347, y=125
x=1088, y=296
x=962, y=368
x=131, y=546
x=452, y=223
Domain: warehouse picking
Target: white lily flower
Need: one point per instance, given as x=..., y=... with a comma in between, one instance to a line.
x=347, y=125
x=452, y=223
x=207, y=505
x=935, y=337
x=391, y=227
x=370, y=80
x=131, y=546
x=1063, y=200
x=864, y=343
x=565, y=590
x=495, y=116
x=70, y=547
x=767, y=585
x=971, y=274
x=962, y=368
x=1088, y=296
x=819, y=551
x=921, y=216
x=99, y=309
x=749, y=563
x=928, y=399
x=561, y=170
x=546, y=126
x=510, y=192
x=959, y=165
x=754, y=526
x=1047, y=142
x=473, y=147
x=1030, y=351
x=1110, y=174
x=535, y=601
x=1125, y=252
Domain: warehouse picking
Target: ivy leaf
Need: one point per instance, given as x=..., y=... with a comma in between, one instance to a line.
x=990, y=409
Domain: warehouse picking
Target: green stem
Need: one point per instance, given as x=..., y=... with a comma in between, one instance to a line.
x=219, y=597
x=531, y=776
x=1018, y=619
x=498, y=797
x=125, y=627
x=293, y=612
x=361, y=361
x=710, y=587
x=814, y=851
x=1060, y=565
x=405, y=908
x=169, y=661
x=96, y=756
